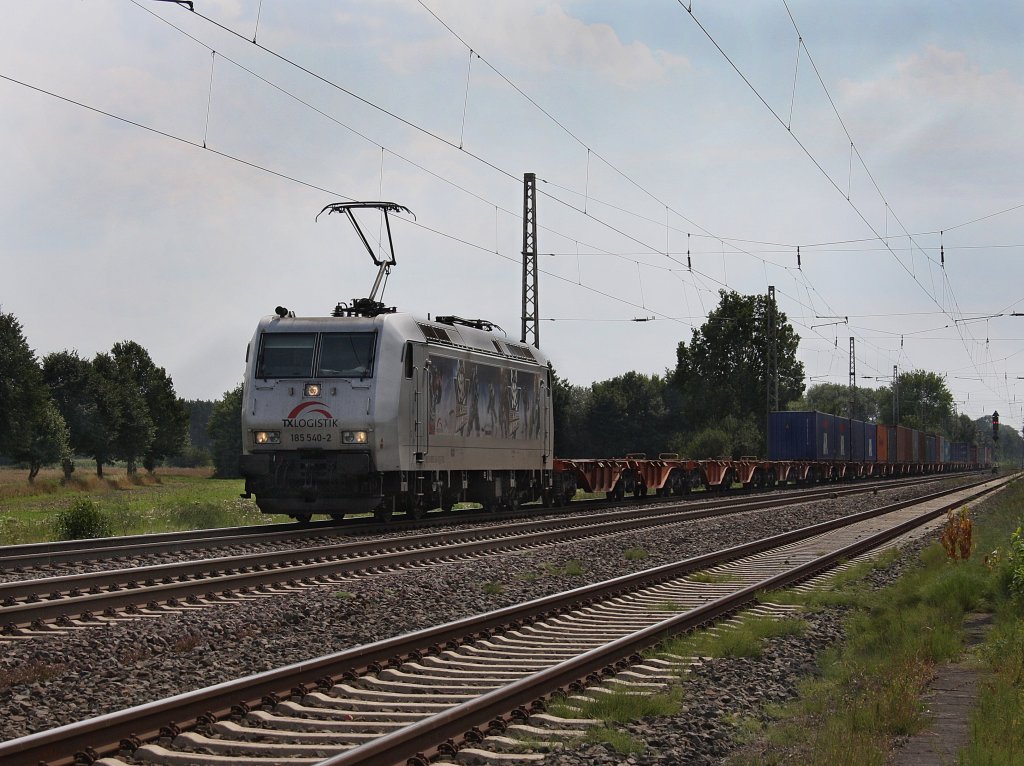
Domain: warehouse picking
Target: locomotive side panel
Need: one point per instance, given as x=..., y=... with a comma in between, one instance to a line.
x=485, y=413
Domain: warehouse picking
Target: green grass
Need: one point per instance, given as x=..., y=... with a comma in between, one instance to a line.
x=868, y=690
x=616, y=739
x=619, y=707
x=170, y=500
x=743, y=640
x=635, y=554
x=493, y=588
x=997, y=723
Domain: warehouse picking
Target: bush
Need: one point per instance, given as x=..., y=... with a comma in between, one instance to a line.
x=81, y=520
x=191, y=457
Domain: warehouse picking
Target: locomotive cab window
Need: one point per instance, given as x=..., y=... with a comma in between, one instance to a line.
x=286, y=355
x=346, y=355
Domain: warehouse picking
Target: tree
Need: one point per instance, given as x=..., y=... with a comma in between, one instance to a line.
x=627, y=414
x=166, y=413
x=225, y=430
x=123, y=415
x=569, y=404
x=963, y=429
x=69, y=379
x=199, y=412
x=50, y=442
x=834, y=398
x=924, y=403
x=722, y=371
x=23, y=397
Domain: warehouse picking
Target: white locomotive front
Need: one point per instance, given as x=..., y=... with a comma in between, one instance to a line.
x=386, y=413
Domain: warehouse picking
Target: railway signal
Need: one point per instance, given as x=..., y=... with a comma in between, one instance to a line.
x=995, y=426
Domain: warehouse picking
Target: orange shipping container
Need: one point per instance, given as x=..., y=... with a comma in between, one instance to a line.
x=882, y=443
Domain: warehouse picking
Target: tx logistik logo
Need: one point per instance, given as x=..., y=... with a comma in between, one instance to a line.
x=294, y=421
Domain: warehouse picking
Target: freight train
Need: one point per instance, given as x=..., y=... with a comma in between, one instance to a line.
x=373, y=410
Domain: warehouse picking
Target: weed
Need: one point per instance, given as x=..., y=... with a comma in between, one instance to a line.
x=493, y=588
x=668, y=606
x=133, y=655
x=634, y=554
x=956, y=535
x=572, y=568
x=710, y=577
x=343, y=595
x=185, y=644
x=30, y=673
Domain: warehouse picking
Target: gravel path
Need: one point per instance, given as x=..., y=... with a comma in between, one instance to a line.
x=140, y=660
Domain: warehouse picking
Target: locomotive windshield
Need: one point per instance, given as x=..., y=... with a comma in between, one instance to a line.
x=337, y=355
x=286, y=355
x=346, y=355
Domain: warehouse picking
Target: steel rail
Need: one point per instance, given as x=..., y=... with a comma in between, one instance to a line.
x=417, y=742
x=53, y=553
x=105, y=734
x=174, y=583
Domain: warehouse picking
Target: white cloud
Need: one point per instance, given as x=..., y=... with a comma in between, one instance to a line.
x=543, y=37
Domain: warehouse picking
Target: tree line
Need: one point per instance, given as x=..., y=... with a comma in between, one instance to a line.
x=714, y=402
x=119, y=405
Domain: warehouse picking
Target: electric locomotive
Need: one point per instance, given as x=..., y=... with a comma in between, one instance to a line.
x=374, y=410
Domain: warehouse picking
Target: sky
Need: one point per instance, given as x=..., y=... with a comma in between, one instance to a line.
x=162, y=173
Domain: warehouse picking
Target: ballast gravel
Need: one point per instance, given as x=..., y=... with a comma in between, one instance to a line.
x=51, y=680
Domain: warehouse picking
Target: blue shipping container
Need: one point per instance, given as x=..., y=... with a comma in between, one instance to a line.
x=841, y=438
x=870, y=435
x=857, y=440
x=800, y=436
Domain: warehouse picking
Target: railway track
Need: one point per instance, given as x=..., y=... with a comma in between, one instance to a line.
x=91, y=599
x=433, y=692
x=105, y=551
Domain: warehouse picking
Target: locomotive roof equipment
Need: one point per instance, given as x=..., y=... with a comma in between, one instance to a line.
x=370, y=306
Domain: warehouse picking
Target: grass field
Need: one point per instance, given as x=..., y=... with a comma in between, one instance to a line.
x=169, y=499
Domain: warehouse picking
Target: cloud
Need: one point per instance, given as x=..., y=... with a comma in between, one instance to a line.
x=545, y=38
x=941, y=104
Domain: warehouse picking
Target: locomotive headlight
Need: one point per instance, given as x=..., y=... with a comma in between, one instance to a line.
x=312, y=389
x=353, y=437
x=267, y=437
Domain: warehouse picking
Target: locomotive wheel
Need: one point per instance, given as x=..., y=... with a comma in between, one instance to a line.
x=303, y=518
